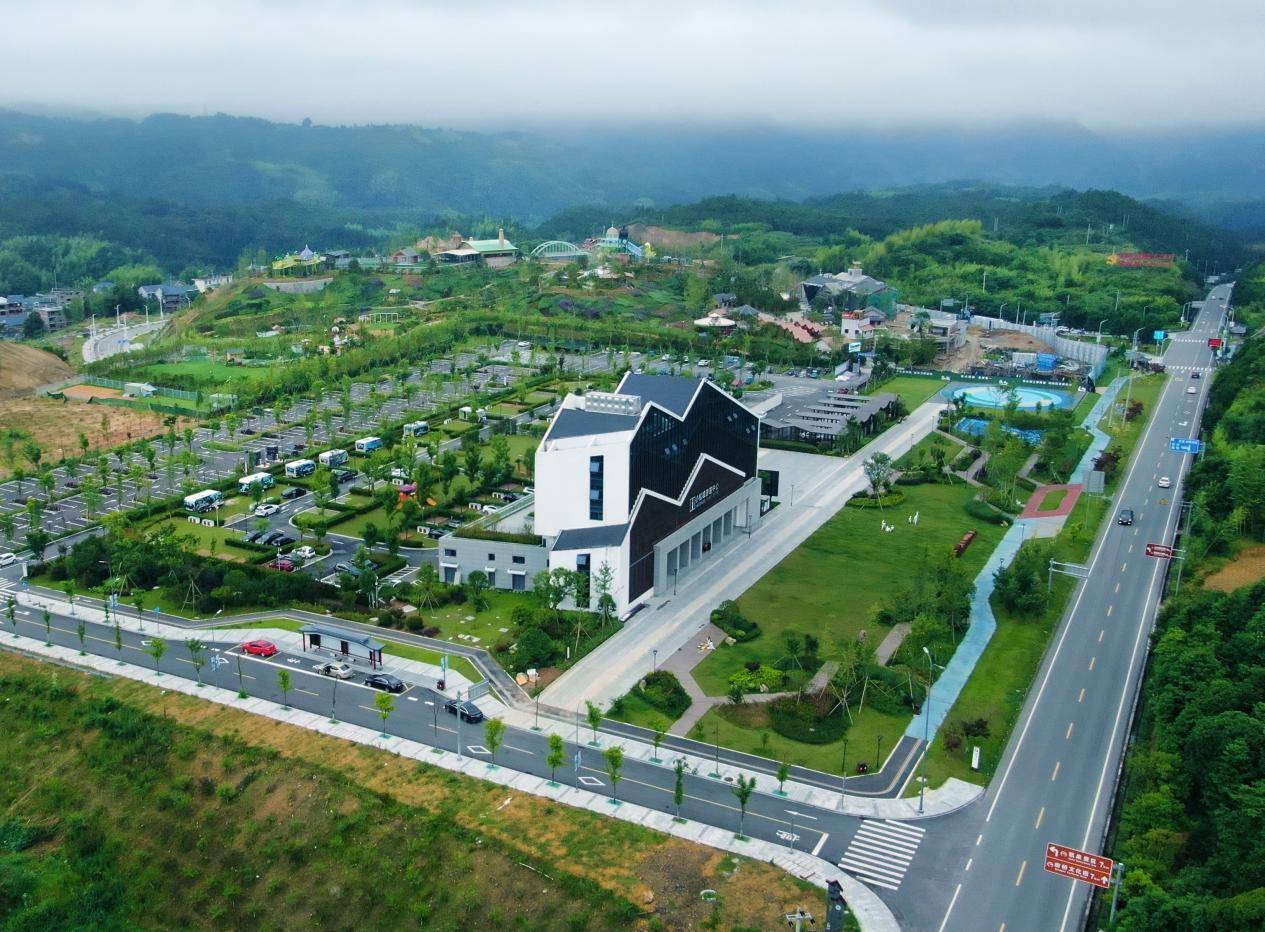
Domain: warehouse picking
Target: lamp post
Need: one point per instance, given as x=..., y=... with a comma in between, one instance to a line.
x=844, y=769
x=926, y=731
x=654, y=659
x=1098, y=339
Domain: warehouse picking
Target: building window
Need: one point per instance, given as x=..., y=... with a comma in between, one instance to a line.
x=520, y=560
x=491, y=558
x=583, y=562
x=450, y=574
x=449, y=552
x=518, y=582
x=597, y=466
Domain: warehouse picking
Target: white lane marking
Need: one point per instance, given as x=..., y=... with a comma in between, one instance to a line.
x=820, y=841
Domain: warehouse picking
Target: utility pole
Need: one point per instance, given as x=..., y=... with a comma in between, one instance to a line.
x=926, y=731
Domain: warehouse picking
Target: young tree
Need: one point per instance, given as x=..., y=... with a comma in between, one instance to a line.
x=197, y=656
x=81, y=631
x=286, y=682
x=38, y=539
x=157, y=647
x=783, y=773
x=603, y=584
x=593, y=711
x=69, y=590
x=138, y=599
x=743, y=790
x=659, y=734
x=494, y=736
x=878, y=470
x=557, y=756
x=48, y=628
x=614, y=764
x=118, y=639
x=678, y=790
x=477, y=588
x=11, y=613
x=9, y=525
x=385, y=704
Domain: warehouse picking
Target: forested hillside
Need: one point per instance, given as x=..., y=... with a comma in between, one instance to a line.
x=1192, y=829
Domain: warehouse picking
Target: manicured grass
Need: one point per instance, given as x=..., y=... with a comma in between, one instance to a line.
x=827, y=586
x=206, y=535
x=1124, y=434
x=912, y=389
x=204, y=371
x=746, y=728
x=639, y=712
x=1052, y=500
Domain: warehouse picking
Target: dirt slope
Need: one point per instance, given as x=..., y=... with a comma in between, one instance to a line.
x=23, y=368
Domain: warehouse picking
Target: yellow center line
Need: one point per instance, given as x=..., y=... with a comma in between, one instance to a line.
x=1022, y=868
x=1054, y=776
x=1040, y=816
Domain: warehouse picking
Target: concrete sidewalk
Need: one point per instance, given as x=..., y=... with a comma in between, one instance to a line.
x=871, y=913
x=669, y=622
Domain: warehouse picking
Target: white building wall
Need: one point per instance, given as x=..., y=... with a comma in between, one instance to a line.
x=562, y=482
x=617, y=557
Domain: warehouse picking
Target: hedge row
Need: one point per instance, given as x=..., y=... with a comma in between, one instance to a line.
x=985, y=512
x=889, y=500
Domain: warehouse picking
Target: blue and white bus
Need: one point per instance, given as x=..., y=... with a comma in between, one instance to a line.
x=204, y=501
x=265, y=481
x=368, y=444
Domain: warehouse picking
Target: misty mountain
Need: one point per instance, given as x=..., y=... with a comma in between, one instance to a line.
x=221, y=160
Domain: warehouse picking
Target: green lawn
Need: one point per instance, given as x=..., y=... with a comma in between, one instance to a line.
x=1053, y=500
x=746, y=728
x=204, y=371
x=1124, y=435
x=206, y=535
x=913, y=390
x=829, y=583
x=997, y=688
x=639, y=712
x=408, y=651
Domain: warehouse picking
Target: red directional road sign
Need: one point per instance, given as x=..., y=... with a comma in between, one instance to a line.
x=1162, y=551
x=1079, y=865
x=1214, y=342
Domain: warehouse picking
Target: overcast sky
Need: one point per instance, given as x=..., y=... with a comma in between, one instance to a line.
x=498, y=64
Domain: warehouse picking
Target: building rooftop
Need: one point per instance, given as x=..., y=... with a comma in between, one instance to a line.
x=606, y=535
x=576, y=422
x=673, y=392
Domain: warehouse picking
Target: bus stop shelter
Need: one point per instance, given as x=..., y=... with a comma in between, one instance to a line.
x=343, y=644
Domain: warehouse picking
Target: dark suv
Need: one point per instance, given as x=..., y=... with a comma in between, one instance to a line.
x=1126, y=516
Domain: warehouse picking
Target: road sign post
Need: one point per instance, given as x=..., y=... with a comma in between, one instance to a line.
x=1079, y=865
x=1160, y=551
x=1185, y=445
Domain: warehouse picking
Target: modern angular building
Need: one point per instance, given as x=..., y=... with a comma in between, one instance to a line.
x=652, y=480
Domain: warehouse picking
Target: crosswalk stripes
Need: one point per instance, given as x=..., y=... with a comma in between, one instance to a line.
x=880, y=852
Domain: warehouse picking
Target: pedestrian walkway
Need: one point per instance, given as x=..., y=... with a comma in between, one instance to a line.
x=881, y=851
x=1100, y=441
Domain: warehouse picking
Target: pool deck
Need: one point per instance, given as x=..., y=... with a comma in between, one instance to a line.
x=1059, y=397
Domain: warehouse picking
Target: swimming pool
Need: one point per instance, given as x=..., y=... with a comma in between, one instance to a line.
x=997, y=396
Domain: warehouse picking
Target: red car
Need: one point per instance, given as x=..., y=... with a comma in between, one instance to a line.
x=282, y=564
x=260, y=648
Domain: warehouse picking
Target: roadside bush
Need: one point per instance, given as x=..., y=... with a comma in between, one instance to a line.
x=809, y=720
x=888, y=500
x=985, y=512
x=893, y=691
x=1021, y=587
x=536, y=649
x=664, y=691
x=728, y=618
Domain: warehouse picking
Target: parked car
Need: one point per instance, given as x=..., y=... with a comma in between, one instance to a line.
x=1165, y=482
x=304, y=553
x=260, y=648
x=248, y=431
x=254, y=536
x=7, y=558
x=272, y=538
x=293, y=492
x=347, y=568
x=339, y=671
x=345, y=475
x=468, y=711
x=284, y=540
x=265, y=510
x=282, y=564
x=385, y=681
x=1126, y=516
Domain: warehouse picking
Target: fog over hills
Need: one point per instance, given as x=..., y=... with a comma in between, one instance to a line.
x=528, y=175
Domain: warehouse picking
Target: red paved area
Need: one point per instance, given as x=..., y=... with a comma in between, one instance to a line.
x=1033, y=508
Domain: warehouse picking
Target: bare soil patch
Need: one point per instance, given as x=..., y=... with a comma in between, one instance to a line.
x=1246, y=568
x=670, y=239
x=84, y=392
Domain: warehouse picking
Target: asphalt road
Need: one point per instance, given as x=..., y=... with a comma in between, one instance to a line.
x=419, y=715
x=983, y=868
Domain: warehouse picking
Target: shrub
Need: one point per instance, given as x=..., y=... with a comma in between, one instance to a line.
x=892, y=691
x=952, y=741
x=535, y=649
x=664, y=691
x=984, y=512
x=976, y=728
x=809, y=720
x=889, y=500
x=751, y=680
x=728, y=618
x=430, y=631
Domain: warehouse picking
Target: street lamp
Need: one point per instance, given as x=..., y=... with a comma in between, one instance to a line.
x=926, y=725
x=654, y=659
x=843, y=794
x=1098, y=339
